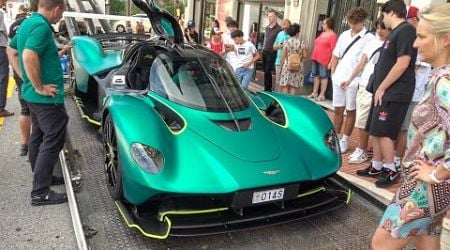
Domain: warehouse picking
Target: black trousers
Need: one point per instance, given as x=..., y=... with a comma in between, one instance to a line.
x=268, y=60
x=49, y=122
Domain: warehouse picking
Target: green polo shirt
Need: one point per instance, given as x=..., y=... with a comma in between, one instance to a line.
x=35, y=33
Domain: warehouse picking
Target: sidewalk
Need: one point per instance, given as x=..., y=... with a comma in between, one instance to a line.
x=23, y=226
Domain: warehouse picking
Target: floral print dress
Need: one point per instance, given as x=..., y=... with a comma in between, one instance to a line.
x=419, y=208
x=289, y=78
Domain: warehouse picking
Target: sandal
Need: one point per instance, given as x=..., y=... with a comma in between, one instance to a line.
x=320, y=98
x=312, y=96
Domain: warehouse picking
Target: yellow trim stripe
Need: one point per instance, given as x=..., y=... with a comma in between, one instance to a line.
x=312, y=191
x=80, y=105
x=349, y=195
x=160, y=237
x=205, y=211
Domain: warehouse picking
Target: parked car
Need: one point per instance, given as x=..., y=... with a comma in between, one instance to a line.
x=188, y=151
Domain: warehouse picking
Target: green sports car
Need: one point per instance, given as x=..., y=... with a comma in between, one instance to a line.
x=187, y=151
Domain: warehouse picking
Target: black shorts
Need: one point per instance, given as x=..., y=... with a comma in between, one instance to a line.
x=385, y=120
x=24, y=110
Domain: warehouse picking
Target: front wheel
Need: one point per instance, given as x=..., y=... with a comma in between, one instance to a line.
x=111, y=160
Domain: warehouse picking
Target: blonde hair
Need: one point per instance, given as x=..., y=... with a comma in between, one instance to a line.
x=438, y=16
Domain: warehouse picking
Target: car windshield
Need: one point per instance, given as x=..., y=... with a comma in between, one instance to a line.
x=202, y=83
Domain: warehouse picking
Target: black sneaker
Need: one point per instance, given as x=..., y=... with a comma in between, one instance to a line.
x=369, y=171
x=49, y=198
x=57, y=181
x=23, y=150
x=388, y=178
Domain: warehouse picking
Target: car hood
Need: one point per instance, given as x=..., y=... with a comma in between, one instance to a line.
x=257, y=140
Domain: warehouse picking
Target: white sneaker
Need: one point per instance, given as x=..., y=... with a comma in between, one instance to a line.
x=343, y=145
x=359, y=158
x=356, y=153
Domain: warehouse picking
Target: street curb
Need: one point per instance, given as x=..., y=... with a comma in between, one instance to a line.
x=382, y=195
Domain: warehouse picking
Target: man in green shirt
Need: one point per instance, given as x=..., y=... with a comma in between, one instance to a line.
x=33, y=53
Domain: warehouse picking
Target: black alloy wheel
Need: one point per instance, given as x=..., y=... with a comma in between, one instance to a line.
x=111, y=160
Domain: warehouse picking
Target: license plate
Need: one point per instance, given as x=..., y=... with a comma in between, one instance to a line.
x=268, y=195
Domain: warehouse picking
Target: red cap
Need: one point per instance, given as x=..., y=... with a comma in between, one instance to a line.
x=412, y=12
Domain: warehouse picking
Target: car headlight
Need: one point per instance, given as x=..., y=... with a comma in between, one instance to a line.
x=331, y=140
x=148, y=158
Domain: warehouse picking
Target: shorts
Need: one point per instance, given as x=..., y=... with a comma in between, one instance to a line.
x=363, y=101
x=407, y=120
x=345, y=97
x=24, y=110
x=318, y=69
x=385, y=120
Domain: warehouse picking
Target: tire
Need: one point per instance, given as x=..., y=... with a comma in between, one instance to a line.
x=111, y=160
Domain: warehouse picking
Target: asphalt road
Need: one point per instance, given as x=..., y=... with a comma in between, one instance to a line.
x=347, y=228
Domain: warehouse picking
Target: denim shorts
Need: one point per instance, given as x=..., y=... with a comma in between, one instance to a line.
x=318, y=69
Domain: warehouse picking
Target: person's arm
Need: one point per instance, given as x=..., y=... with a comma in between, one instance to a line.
x=396, y=71
x=333, y=63
x=65, y=50
x=32, y=67
x=283, y=58
x=356, y=71
x=334, y=59
x=13, y=58
x=255, y=58
x=429, y=173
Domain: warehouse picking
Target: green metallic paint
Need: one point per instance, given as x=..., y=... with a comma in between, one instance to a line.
x=208, y=159
x=89, y=54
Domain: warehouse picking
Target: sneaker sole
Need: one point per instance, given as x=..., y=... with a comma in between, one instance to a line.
x=384, y=185
x=43, y=203
x=369, y=175
x=357, y=162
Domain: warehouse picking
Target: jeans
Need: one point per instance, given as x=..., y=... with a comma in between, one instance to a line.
x=4, y=77
x=244, y=75
x=268, y=60
x=48, y=132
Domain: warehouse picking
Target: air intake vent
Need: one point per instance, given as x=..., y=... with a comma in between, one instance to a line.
x=244, y=124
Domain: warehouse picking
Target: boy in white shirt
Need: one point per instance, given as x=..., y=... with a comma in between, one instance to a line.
x=346, y=56
x=246, y=56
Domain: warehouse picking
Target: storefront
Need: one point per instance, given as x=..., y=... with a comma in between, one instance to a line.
x=252, y=18
x=203, y=14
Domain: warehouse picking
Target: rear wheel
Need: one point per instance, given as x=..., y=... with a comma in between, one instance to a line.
x=111, y=160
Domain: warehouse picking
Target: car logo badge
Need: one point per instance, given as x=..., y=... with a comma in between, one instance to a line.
x=271, y=172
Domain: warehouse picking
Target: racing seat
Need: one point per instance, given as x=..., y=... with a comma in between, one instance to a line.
x=139, y=72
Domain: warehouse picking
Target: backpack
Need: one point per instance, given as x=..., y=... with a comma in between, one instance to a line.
x=294, y=62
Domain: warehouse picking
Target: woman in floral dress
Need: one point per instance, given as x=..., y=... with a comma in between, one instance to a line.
x=422, y=201
x=290, y=81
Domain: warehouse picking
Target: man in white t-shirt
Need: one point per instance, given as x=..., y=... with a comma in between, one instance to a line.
x=246, y=56
x=346, y=56
x=366, y=67
x=230, y=55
